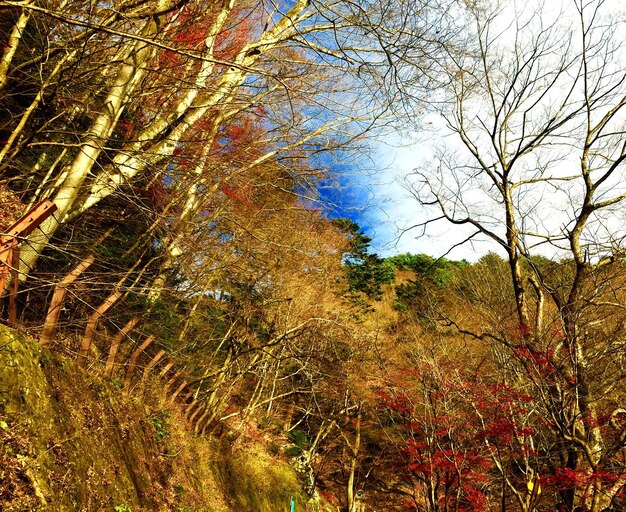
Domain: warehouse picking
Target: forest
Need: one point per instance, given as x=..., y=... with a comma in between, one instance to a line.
x=162, y=209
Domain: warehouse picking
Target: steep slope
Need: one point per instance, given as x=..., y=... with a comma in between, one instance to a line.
x=72, y=442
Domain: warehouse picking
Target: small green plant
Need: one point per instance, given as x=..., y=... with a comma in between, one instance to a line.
x=116, y=382
x=161, y=429
x=44, y=359
x=122, y=508
x=99, y=389
x=299, y=438
x=293, y=451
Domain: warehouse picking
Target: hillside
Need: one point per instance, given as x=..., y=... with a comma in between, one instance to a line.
x=71, y=441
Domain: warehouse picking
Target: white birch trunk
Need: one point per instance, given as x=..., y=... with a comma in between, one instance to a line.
x=11, y=47
x=129, y=75
x=138, y=156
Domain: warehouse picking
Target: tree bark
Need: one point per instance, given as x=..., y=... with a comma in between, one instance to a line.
x=11, y=47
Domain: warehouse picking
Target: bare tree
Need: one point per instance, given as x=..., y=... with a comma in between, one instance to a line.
x=537, y=107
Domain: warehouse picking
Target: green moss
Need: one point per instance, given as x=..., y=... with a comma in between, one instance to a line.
x=70, y=441
x=262, y=483
x=75, y=442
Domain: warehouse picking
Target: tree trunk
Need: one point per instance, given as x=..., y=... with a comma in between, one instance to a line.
x=354, y=449
x=11, y=46
x=90, y=330
x=129, y=75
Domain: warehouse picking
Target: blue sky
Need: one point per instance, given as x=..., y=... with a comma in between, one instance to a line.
x=377, y=200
